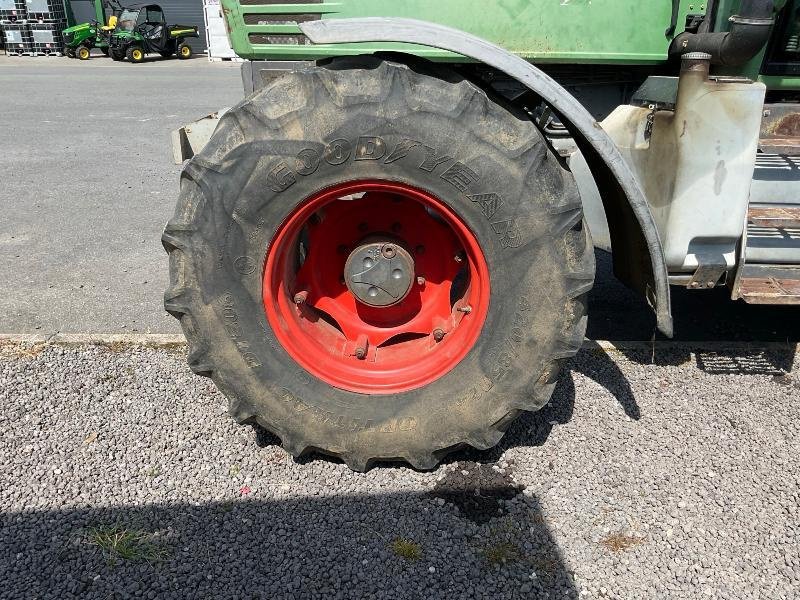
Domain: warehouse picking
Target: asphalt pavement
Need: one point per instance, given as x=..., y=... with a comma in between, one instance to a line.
x=88, y=183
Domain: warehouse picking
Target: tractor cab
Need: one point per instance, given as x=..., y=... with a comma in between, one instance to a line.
x=142, y=29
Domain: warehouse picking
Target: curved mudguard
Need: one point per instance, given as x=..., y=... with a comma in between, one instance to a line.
x=638, y=254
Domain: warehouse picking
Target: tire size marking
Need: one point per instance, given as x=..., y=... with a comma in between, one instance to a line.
x=508, y=352
x=230, y=319
x=346, y=423
x=282, y=175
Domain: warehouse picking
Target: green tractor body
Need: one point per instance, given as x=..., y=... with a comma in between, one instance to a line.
x=142, y=30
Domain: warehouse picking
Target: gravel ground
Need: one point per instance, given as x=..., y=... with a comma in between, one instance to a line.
x=649, y=475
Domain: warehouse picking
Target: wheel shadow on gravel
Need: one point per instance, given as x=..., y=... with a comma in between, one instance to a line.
x=533, y=429
x=394, y=546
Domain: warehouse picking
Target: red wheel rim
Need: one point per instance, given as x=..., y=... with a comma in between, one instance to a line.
x=317, y=308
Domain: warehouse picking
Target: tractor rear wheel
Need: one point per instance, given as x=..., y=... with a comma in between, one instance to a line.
x=379, y=262
x=135, y=54
x=83, y=52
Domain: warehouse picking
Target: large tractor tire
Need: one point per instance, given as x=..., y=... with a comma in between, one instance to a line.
x=379, y=262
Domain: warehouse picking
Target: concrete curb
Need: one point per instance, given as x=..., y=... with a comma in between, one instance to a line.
x=160, y=340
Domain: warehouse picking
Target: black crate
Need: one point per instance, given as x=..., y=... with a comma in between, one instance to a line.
x=12, y=11
x=45, y=10
x=46, y=38
x=18, y=38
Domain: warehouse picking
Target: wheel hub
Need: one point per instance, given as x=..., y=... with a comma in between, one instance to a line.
x=375, y=287
x=379, y=273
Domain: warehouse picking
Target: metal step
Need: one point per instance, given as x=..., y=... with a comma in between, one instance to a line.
x=769, y=284
x=779, y=217
x=773, y=218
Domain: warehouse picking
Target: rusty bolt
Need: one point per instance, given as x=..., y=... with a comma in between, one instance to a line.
x=466, y=309
x=388, y=251
x=362, y=344
x=438, y=335
x=300, y=297
x=420, y=280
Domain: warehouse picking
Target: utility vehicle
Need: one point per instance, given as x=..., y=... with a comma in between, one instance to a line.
x=81, y=38
x=142, y=30
x=383, y=251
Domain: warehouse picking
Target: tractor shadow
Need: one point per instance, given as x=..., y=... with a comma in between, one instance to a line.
x=335, y=545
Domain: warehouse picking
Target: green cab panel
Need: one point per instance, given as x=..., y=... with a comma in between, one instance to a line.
x=557, y=31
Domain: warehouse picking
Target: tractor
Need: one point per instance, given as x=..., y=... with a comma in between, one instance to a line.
x=383, y=252
x=142, y=30
x=81, y=38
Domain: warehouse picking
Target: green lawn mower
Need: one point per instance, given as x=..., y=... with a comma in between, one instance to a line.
x=142, y=30
x=81, y=38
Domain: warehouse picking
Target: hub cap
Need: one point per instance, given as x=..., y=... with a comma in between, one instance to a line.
x=375, y=287
x=379, y=273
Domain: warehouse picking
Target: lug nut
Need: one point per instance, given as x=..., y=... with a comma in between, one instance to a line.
x=362, y=344
x=458, y=257
x=300, y=297
x=438, y=335
x=389, y=251
x=420, y=280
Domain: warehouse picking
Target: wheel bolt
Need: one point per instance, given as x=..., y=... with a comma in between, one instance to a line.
x=438, y=335
x=300, y=297
x=389, y=251
x=362, y=344
x=458, y=257
x=420, y=280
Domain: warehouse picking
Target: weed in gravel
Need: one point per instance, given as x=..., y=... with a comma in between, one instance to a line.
x=406, y=549
x=152, y=472
x=121, y=543
x=501, y=553
x=620, y=542
x=234, y=470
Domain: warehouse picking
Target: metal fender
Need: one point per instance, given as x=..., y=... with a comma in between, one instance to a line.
x=637, y=250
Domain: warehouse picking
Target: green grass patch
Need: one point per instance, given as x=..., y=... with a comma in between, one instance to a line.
x=406, y=549
x=122, y=543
